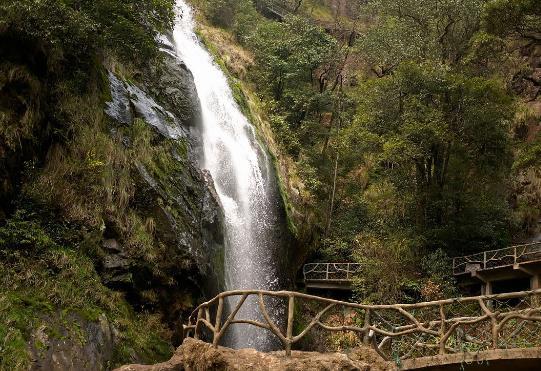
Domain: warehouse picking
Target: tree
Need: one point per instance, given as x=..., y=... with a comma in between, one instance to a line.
x=77, y=28
x=289, y=54
x=418, y=30
x=440, y=142
x=516, y=18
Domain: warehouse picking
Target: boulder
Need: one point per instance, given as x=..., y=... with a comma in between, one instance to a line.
x=195, y=355
x=79, y=345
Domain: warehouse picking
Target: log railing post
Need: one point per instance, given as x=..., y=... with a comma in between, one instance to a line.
x=199, y=316
x=443, y=329
x=367, y=319
x=495, y=333
x=290, y=319
x=487, y=309
x=485, y=260
x=218, y=323
x=327, y=271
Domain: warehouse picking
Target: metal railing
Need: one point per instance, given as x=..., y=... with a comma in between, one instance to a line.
x=280, y=8
x=492, y=259
x=397, y=332
x=336, y=272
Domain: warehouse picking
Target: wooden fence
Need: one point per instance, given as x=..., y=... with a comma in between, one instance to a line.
x=397, y=332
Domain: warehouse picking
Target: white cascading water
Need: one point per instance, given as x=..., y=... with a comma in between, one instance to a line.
x=243, y=179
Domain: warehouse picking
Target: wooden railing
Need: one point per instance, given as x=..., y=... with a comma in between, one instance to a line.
x=492, y=259
x=330, y=271
x=397, y=332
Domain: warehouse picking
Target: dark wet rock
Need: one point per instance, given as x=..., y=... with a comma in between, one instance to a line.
x=112, y=245
x=171, y=83
x=119, y=106
x=188, y=219
x=129, y=101
x=116, y=265
x=175, y=194
x=77, y=344
x=116, y=262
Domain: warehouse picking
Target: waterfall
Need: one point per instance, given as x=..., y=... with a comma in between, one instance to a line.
x=244, y=179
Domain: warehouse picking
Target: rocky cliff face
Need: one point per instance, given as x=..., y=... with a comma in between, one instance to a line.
x=109, y=231
x=178, y=196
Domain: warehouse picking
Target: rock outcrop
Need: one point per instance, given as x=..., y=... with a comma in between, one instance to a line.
x=92, y=352
x=150, y=226
x=195, y=355
x=173, y=192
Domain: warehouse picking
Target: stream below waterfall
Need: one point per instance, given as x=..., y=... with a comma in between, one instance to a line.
x=245, y=181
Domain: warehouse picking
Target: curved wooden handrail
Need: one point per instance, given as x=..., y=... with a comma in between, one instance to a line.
x=396, y=331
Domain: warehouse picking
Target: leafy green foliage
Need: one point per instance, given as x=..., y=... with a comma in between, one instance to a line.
x=288, y=54
x=409, y=163
x=437, y=147
x=419, y=30
x=78, y=28
x=518, y=18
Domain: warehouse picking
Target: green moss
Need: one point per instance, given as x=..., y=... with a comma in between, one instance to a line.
x=218, y=264
x=45, y=285
x=14, y=354
x=104, y=85
x=528, y=155
x=287, y=205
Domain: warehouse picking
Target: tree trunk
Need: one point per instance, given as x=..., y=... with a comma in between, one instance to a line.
x=333, y=194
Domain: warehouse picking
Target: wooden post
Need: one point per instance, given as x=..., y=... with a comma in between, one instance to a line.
x=495, y=332
x=535, y=284
x=218, y=323
x=486, y=288
x=366, y=337
x=290, y=318
x=199, y=316
x=485, y=260
x=327, y=271
x=442, y=330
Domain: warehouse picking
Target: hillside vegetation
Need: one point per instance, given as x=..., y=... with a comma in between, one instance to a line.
x=411, y=127
x=404, y=133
